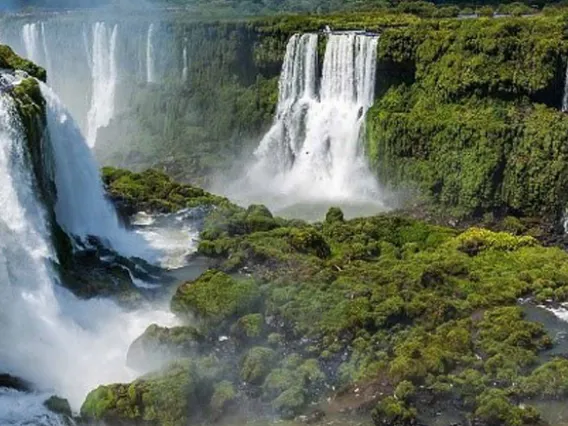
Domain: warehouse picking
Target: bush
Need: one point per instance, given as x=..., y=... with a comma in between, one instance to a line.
x=485, y=11
x=392, y=412
x=256, y=364
x=215, y=298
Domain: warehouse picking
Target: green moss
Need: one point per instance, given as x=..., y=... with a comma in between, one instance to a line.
x=58, y=406
x=494, y=408
x=256, y=364
x=334, y=214
x=249, y=327
x=392, y=412
x=404, y=390
x=290, y=402
x=215, y=298
x=10, y=61
x=169, y=398
x=154, y=191
x=547, y=381
x=475, y=240
x=159, y=345
x=223, y=396
x=468, y=112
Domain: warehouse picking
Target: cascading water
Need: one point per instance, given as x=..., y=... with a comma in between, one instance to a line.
x=30, y=36
x=46, y=57
x=60, y=344
x=150, y=77
x=313, y=152
x=89, y=62
x=185, y=70
x=82, y=208
x=104, y=77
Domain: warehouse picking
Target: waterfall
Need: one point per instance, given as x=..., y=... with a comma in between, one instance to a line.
x=150, y=55
x=104, y=77
x=314, y=149
x=81, y=207
x=30, y=37
x=46, y=57
x=185, y=71
x=60, y=344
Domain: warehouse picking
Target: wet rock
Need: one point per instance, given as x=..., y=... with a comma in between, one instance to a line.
x=13, y=382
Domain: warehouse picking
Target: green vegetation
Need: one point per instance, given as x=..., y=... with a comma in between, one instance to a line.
x=10, y=61
x=216, y=298
x=154, y=191
x=256, y=364
x=470, y=114
x=411, y=311
x=59, y=406
x=168, y=398
x=158, y=345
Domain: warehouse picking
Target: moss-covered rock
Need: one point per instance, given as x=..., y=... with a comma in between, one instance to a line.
x=334, y=214
x=10, y=61
x=494, y=408
x=550, y=380
x=249, y=328
x=215, y=298
x=154, y=191
x=256, y=364
x=159, y=345
x=59, y=405
x=393, y=412
x=223, y=397
x=168, y=398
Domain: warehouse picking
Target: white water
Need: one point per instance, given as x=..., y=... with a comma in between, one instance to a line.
x=62, y=345
x=49, y=337
x=104, y=78
x=26, y=409
x=313, y=152
x=30, y=36
x=173, y=236
x=46, y=56
x=82, y=208
x=150, y=78
x=184, y=71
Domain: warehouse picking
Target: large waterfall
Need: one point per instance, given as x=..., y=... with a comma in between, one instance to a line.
x=104, y=75
x=96, y=66
x=314, y=152
x=59, y=343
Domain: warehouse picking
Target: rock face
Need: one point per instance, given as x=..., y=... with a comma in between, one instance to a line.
x=11, y=382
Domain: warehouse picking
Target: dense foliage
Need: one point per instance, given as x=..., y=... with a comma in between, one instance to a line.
x=470, y=113
x=407, y=319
